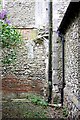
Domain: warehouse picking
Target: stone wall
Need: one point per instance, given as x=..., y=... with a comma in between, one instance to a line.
x=79, y=56
x=72, y=46
x=72, y=70
x=59, y=9
x=0, y=83
x=30, y=66
x=31, y=63
x=21, y=12
x=31, y=60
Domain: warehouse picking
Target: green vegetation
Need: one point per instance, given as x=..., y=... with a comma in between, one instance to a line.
x=56, y=100
x=38, y=112
x=36, y=99
x=33, y=107
x=23, y=110
x=65, y=111
x=9, y=40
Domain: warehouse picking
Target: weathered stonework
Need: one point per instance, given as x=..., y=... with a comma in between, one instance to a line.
x=59, y=9
x=0, y=84
x=31, y=67
x=31, y=62
x=32, y=57
x=21, y=12
x=72, y=69
x=72, y=46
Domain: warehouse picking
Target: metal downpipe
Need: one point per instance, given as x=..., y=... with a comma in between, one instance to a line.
x=63, y=69
x=50, y=54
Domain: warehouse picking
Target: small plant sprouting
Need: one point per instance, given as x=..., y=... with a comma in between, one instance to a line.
x=37, y=100
x=65, y=111
x=56, y=100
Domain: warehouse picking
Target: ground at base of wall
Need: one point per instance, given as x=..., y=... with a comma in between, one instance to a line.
x=33, y=106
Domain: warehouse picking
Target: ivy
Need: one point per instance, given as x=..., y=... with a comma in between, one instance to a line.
x=9, y=36
x=10, y=39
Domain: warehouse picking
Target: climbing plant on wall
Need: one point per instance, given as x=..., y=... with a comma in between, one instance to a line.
x=10, y=40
